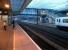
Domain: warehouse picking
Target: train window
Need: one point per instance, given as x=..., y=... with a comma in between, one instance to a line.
x=59, y=20
x=65, y=20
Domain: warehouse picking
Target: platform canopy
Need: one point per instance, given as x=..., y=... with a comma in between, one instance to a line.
x=14, y=5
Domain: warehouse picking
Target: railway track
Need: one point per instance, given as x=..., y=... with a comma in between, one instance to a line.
x=55, y=41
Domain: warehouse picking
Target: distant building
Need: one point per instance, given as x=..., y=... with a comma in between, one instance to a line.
x=38, y=15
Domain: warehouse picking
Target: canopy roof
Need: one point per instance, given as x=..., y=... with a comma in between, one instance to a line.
x=14, y=5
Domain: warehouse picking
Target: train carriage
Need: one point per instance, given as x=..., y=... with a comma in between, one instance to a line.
x=61, y=22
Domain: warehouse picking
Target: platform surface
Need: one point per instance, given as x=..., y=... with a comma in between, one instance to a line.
x=16, y=39
x=6, y=37
x=22, y=41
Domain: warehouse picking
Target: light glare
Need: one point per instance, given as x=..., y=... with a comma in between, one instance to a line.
x=7, y=6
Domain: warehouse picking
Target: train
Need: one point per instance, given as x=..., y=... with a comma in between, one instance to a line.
x=61, y=22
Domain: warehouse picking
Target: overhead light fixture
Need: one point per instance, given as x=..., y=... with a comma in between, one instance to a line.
x=7, y=6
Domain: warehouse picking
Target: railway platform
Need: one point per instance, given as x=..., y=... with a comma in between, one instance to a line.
x=16, y=39
x=23, y=41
